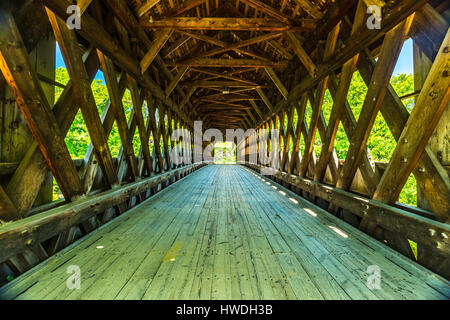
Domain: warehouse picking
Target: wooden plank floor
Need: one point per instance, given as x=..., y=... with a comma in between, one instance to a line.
x=224, y=232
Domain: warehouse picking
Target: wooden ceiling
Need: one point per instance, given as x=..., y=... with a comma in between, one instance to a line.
x=229, y=58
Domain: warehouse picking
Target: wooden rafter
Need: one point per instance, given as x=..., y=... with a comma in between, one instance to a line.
x=246, y=24
x=228, y=63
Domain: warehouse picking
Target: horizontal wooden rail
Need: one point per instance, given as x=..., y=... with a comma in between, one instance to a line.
x=22, y=235
x=417, y=228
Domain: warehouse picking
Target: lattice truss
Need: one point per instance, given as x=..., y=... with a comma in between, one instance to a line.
x=232, y=64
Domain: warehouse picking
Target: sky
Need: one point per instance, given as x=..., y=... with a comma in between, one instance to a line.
x=404, y=64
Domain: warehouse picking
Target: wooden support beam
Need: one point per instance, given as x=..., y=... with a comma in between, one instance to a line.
x=163, y=131
x=144, y=138
x=183, y=7
x=430, y=105
x=277, y=81
x=155, y=131
x=257, y=109
x=83, y=5
x=187, y=97
x=301, y=53
x=433, y=180
x=219, y=43
x=72, y=57
x=301, y=109
x=90, y=167
x=390, y=51
x=7, y=210
x=310, y=9
x=339, y=101
x=227, y=75
x=33, y=166
x=119, y=114
x=317, y=104
x=146, y=6
x=287, y=139
x=174, y=46
x=280, y=49
x=238, y=24
x=229, y=63
x=22, y=78
x=335, y=13
x=265, y=99
x=161, y=38
x=211, y=103
x=266, y=9
x=220, y=84
x=370, y=176
x=176, y=80
x=240, y=44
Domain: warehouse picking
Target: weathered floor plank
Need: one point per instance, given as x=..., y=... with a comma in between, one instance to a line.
x=225, y=232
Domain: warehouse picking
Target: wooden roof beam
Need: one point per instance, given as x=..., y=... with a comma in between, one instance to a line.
x=161, y=38
x=229, y=63
x=182, y=71
x=310, y=8
x=228, y=76
x=240, y=44
x=265, y=99
x=209, y=84
x=174, y=46
x=257, y=109
x=219, y=43
x=268, y=10
x=183, y=7
x=238, y=24
x=301, y=53
x=146, y=6
x=277, y=81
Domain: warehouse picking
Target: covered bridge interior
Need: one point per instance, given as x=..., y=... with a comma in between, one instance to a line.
x=307, y=212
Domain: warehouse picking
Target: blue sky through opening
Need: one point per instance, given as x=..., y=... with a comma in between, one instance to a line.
x=404, y=64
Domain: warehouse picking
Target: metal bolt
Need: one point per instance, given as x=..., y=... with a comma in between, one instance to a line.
x=404, y=159
x=432, y=232
x=445, y=73
x=30, y=242
x=35, y=228
x=24, y=233
x=17, y=68
x=421, y=169
x=446, y=49
x=405, y=140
